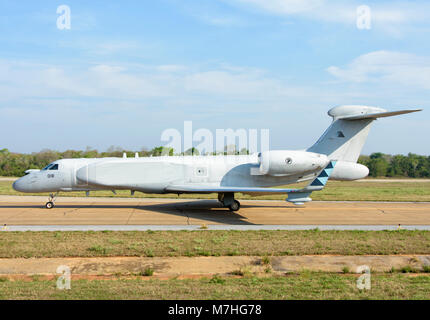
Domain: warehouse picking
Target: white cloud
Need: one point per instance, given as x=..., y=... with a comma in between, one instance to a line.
x=107, y=104
x=282, y=6
x=21, y=82
x=219, y=20
x=104, y=47
x=171, y=68
x=103, y=69
x=386, y=67
x=386, y=16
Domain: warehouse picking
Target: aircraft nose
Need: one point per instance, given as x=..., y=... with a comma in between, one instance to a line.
x=18, y=185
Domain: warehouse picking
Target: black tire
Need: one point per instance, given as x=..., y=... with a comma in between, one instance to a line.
x=235, y=206
x=49, y=205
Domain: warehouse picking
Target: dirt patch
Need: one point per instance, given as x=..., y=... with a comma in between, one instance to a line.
x=169, y=267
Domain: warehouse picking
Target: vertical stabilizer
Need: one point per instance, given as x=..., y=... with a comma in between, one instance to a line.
x=343, y=140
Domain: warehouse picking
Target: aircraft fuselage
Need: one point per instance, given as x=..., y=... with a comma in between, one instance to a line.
x=154, y=174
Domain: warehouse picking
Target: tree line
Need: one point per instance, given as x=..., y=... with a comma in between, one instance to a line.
x=385, y=165
x=379, y=164
x=14, y=164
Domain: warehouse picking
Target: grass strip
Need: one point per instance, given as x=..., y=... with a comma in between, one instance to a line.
x=306, y=285
x=211, y=243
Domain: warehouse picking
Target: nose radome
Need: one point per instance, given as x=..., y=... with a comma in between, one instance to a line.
x=17, y=185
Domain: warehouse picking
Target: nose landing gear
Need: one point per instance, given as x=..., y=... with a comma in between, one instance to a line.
x=49, y=205
x=51, y=201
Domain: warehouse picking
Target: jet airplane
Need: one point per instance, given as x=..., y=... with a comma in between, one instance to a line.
x=333, y=156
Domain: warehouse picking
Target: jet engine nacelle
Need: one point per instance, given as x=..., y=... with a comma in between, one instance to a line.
x=345, y=170
x=286, y=162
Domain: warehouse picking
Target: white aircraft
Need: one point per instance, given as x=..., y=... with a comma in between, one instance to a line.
x=333, y=156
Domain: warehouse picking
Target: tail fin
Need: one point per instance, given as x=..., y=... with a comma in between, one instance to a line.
x=345, y=137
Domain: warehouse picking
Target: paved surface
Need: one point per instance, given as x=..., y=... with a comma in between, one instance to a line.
x=174, y=266
x=210, y=227
x=394, y=180
x=30, y=211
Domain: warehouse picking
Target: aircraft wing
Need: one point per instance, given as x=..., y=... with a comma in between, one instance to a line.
x=294, y=195
x=210, y=189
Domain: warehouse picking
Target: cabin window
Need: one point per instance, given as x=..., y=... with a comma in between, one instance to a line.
x=54, y=167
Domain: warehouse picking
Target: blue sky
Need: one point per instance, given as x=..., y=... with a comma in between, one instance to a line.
x=128, y=70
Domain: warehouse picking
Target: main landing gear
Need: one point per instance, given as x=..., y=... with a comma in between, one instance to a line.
x=51, y=201
x=228, y=201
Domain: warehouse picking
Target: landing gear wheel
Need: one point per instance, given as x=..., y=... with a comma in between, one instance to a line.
x=51, y=200
x=235, y=206
x=49, y=205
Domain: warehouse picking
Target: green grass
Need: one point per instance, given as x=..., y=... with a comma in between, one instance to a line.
x=147, y=272
x=346, y=269
x=335, y=190
x=265, y=260
x=262, y=243
x=97, y=249
x=305, y=285
x=408, y=269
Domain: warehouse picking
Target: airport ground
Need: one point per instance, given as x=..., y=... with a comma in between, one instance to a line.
x=222, y=264
x=174, y=214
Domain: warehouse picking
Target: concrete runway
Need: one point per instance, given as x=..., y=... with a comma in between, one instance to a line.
x=30, y=211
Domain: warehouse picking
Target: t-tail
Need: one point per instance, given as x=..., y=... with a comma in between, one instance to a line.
x=345, y=137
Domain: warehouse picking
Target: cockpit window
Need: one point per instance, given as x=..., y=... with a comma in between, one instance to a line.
x=54, y=167
x=48, y=166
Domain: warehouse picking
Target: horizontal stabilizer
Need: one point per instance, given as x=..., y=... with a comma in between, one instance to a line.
x=378, y=115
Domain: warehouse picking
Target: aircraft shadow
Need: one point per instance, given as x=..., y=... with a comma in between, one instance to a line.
x=208, y=210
